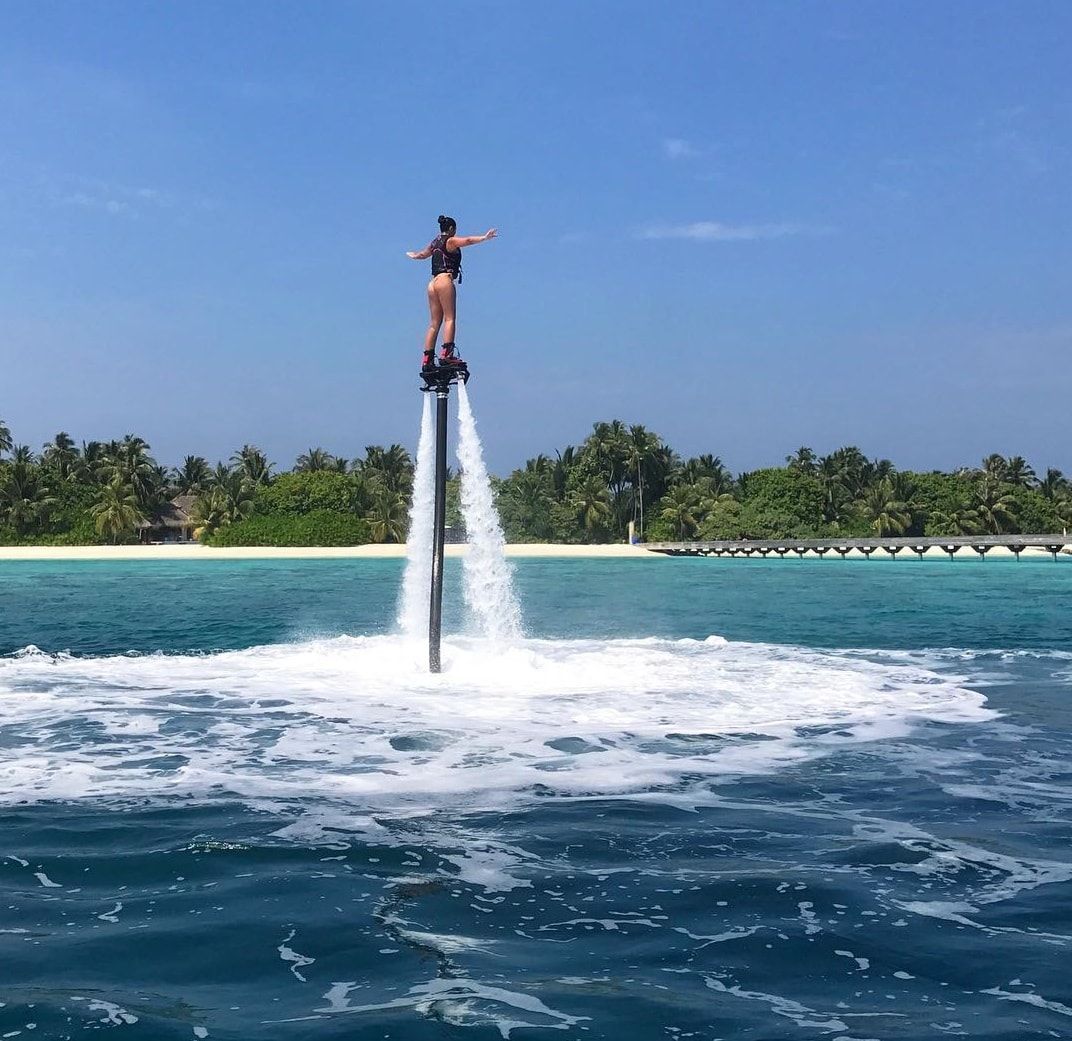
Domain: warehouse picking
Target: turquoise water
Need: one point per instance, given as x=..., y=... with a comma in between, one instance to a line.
x=703, y=799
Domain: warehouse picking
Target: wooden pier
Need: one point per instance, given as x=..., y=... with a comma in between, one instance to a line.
x=979, y=544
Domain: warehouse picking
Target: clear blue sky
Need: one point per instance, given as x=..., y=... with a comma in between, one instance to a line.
x=748, y=226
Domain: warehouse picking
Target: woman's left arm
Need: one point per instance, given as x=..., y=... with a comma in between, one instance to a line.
x=456, y=242
x=423, y=254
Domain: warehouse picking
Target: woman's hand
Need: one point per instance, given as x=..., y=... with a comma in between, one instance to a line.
x=492, y=233
x=413, y=255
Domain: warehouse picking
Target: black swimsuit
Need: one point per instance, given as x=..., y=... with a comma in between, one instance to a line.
x=445, y=262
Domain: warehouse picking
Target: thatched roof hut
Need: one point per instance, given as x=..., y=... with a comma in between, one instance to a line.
x=172, y=523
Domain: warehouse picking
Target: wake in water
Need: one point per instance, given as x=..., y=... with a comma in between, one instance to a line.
x=351, y=719
x=414, y=604
x=488, y=579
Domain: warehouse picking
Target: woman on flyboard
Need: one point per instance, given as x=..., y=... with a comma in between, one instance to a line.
x=446, y=253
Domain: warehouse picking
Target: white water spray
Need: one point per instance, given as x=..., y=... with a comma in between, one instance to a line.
x=413, y=607
x=488, y=579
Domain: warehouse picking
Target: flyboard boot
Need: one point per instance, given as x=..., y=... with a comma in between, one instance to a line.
x=448, y=358
x=448, y=355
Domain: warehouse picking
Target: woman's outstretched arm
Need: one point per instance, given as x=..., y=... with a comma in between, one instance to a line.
x=460, y=241
x=422, y=254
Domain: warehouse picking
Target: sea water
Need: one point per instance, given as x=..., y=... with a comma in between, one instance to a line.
x=698, y=799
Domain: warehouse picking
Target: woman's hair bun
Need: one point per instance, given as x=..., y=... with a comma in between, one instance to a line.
x=446, y=222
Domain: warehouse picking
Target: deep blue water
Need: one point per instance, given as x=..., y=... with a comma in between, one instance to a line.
x=234, y=806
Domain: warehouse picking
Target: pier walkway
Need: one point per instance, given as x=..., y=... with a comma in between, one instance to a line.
x=980, y=544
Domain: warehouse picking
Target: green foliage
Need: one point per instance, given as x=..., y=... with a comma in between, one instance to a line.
x=936, y=492
x=884, y=509
x=307, y=491
x=1034, y=512
x=316, y=528
x=26, y=501
x=619, y=475
x=387, y=516
x=781, y=502
x=115, y=511
x=525, y=500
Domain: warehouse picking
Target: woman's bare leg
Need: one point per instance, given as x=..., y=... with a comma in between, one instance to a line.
x=447, y=296
x=435, y=319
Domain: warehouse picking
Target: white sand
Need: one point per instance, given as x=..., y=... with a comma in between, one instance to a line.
x=194, y=551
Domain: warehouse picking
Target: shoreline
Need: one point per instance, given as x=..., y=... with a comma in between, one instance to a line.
x=380, y=551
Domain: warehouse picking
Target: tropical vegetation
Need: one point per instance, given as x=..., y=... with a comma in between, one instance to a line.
x=619, y=478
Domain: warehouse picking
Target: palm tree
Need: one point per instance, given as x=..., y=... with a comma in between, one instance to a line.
x=525, y=503
x=1054, y=485
x=964, y=521
x=210, y=511
x=61, y=454
x=833, y=477
x=193, y=476
x=6, y=443
x=387, y=517
x=115, y=511
x=995, y=467
x=876, y=470
x=605, y=448
x=90, y=463
x=590, y=501
x=1019, y=472
x=390, y=468
x=540, y=465
x=253, y=464
x=314, y=459
x=680, y=506
x=23, y=454
x=803, y=460
x=705, y=467
x=1063, y=509
x=235, y=493
x=849, y=468
x=340, y=464
x=24, y=498
x=129, y=460
x=641, y=446
x=564, y=463
x=887, y=514
x=995, y=508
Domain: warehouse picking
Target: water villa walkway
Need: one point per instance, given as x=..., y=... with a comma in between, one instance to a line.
x=980, y=544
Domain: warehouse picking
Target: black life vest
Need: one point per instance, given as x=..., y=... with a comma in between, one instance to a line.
x=443, y=260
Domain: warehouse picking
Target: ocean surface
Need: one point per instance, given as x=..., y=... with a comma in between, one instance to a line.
x=701, y=799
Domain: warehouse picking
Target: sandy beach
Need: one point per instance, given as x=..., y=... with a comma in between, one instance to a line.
x=194, y=551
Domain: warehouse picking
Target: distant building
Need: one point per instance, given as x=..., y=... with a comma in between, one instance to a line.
x=173, y=523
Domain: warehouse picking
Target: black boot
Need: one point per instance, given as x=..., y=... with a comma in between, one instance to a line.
x=448, y=357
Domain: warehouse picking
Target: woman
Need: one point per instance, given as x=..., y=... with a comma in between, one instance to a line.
x=446, y=253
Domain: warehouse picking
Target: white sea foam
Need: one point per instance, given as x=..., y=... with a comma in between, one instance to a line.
x=458, y=1002
x=414, y=603
x=488, y=585
x=358, y=721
